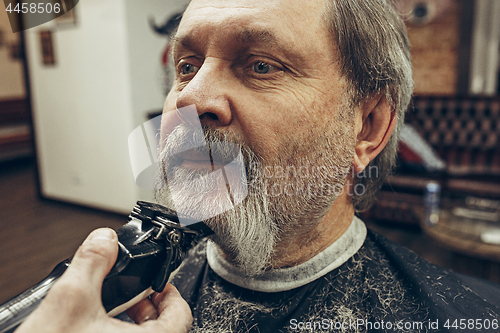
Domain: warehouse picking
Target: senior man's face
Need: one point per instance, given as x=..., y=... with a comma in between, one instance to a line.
x=263, y=75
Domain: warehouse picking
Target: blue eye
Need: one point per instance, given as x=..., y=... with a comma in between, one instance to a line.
x=187, y=69
x=261, y=67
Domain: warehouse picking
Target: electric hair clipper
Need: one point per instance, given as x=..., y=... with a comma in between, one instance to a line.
x=151, y=246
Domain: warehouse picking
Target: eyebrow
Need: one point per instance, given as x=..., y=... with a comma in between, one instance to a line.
x=263, y=37
x=258, y=37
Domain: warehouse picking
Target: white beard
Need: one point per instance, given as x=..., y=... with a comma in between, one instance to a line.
x=249, y=232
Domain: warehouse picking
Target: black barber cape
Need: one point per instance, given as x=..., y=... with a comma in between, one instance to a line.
x=380, y=287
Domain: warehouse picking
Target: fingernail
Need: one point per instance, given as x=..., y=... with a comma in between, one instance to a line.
x=102, y=234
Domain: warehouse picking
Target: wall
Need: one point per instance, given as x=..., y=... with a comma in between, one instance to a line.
x=146, y=48
x=11, y=71
x=104, y=82
x=435, y=49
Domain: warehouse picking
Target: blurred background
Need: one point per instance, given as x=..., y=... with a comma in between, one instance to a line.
x=73, y=89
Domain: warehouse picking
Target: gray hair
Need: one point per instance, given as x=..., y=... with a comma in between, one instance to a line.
x=374, y=53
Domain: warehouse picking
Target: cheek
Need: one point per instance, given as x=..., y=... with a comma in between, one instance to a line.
x=265, y=122
x=273, y=126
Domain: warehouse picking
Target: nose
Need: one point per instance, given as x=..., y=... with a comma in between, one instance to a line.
x=209, y=91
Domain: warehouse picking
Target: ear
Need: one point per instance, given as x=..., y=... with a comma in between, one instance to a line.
x=374, y=124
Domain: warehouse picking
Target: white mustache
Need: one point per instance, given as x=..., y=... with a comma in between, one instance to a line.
x=186, y=140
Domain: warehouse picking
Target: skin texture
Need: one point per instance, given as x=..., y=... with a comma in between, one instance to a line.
x=266, y=71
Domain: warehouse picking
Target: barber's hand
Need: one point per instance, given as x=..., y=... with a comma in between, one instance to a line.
x=74, y=302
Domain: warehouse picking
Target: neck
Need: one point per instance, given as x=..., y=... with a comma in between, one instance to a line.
x=302, y=245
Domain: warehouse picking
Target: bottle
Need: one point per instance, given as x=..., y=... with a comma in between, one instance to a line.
x=432, y=202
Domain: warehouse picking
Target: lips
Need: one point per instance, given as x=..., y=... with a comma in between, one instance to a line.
x=195, y=156
x=193, y=159
x=201, y=158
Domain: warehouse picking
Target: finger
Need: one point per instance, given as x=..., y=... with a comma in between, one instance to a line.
x=143, y=311
x=93, y=260
x=175, y=314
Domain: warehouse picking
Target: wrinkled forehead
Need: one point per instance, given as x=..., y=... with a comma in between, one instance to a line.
x=298, y=22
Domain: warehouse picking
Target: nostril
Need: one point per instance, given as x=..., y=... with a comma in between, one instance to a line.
x=209, y=116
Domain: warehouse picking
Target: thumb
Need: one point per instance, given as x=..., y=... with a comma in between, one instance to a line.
x=93, y=261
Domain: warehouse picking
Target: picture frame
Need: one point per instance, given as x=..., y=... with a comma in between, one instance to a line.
x=47, y=47
x=68, y=19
